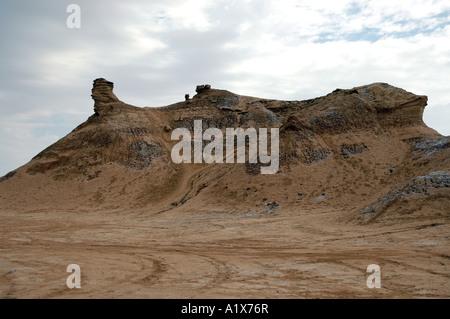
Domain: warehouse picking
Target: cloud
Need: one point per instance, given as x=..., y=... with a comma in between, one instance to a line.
x=157, y=51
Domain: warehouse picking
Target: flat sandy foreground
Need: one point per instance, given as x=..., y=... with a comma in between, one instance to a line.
x=180, y=254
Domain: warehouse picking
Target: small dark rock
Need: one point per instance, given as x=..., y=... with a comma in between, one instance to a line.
x=202, y=88
x=271, y=207
x=352, y=149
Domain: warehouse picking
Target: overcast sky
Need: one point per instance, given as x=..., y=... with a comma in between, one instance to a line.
x=157, y=51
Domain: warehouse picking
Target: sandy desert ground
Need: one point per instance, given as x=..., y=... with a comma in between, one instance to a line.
x=291, y=254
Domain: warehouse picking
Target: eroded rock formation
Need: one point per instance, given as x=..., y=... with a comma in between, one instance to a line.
x=348, y=148
x=102, y=94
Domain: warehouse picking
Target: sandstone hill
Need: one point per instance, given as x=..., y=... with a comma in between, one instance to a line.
x=365, y=149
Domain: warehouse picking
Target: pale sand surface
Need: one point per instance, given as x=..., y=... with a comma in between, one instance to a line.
x=178, y=254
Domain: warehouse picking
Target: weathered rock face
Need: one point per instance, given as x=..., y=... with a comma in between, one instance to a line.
x=102, y=94
x=432, y=146
x=347, y=148
x=394, y=107
x=415, y=191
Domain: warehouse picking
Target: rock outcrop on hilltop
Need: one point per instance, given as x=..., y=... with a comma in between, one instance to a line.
x=351, y=148
x=202, y=88
x=102, y=93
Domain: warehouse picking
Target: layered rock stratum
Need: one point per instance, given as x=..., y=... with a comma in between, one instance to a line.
x=361, y=156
